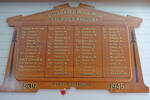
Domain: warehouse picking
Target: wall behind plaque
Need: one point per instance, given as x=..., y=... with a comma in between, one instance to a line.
x=140, y=9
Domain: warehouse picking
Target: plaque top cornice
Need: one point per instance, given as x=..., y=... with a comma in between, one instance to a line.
x=68, y=5
x=81, y=15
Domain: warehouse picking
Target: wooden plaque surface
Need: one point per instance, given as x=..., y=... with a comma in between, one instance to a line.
x=77, y=47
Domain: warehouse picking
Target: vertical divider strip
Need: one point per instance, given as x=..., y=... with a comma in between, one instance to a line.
x=73, y=44
x=102, y=45
x=46, y=50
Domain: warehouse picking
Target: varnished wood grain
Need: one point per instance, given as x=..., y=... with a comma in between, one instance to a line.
x=90, y=17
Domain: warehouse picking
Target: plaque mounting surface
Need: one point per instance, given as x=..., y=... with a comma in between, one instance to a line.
x=77, y=47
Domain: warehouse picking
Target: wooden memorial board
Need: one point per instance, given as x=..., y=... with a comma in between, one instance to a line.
x=77, y=47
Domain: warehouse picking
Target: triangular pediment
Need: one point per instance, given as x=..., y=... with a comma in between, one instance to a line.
x=67, y=15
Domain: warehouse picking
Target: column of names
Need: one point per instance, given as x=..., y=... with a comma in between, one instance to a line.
x=87, y=51
x=31, y=61
x=59, y=62
x=115, y=51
